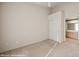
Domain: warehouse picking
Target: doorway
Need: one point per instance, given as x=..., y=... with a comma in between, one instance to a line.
x=72, y=28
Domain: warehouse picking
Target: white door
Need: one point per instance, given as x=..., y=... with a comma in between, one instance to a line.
x=56, y=27
x=78, y=29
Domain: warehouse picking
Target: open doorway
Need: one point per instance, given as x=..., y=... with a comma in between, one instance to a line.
x=72, y=28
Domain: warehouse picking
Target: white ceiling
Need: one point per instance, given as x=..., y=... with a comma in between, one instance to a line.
x=41, y=3
x=53, y=4
x=45, y=4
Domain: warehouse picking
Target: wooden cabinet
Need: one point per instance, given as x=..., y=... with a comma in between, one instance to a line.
x=72, y=35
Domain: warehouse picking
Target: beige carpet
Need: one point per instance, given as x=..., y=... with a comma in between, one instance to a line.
x=39, y=49
x=69, y=48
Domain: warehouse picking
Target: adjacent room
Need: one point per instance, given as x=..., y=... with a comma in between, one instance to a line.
x=39, y=29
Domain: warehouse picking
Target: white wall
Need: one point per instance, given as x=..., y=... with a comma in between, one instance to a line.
x=22, y=24
x=71, y=9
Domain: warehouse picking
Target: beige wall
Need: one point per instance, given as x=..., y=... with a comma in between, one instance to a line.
x=70, y=9
x=22, y=24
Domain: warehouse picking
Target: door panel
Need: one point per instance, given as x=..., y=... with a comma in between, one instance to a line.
x=56, y=30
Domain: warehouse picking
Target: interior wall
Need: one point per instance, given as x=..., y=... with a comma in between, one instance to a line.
x=22, y=24
x=0, y=29
x=71, y=9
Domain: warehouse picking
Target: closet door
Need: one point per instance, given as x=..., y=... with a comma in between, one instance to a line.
x=78, y=29
x=56, y=27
